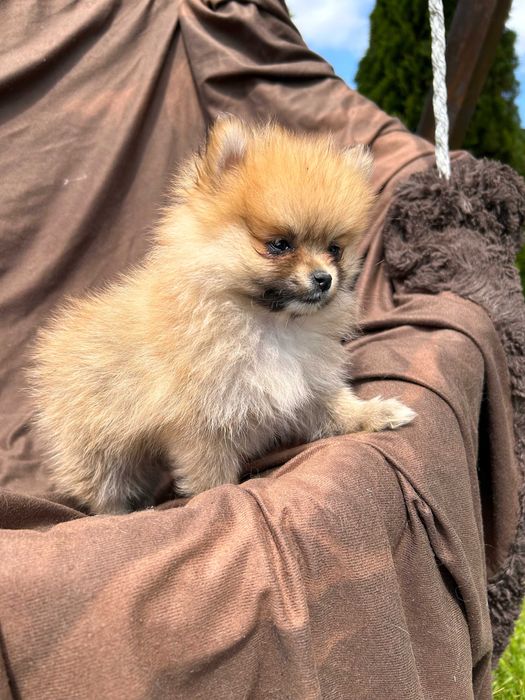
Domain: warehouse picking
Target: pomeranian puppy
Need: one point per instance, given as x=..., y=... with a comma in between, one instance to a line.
x=227, y=340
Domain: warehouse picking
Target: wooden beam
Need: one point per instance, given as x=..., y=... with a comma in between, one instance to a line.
x=472, y=41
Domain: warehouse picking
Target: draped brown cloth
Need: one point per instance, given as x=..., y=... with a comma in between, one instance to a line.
x=358, y=568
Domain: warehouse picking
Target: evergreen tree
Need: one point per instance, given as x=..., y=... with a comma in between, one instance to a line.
x=396, y=71
x=396, y=74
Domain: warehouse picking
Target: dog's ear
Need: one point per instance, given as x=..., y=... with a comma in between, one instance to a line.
x=227, y=143
x=360, y=158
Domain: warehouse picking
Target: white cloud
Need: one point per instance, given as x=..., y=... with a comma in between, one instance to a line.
x=337, y=24
x=516, y=22
x=344, y=24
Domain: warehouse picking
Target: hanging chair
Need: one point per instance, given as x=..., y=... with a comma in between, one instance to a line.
x=385, y=565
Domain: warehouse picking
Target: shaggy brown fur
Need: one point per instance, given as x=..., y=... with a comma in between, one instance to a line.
x=228, y=338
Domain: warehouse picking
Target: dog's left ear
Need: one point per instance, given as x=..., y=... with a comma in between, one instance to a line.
x=360, y=158
x=227, y=143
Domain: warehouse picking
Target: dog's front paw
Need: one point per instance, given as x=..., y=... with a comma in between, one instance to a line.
x=381, y=414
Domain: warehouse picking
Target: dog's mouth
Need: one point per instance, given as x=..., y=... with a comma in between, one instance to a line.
x=276, y=299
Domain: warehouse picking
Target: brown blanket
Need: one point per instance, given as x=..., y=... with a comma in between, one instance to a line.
x=356, y=570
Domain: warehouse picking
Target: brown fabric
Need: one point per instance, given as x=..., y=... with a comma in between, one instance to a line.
x=357, y=569
x=463, y=235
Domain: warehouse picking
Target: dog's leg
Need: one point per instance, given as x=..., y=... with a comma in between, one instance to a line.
x=202, y=463
x=105, y=481
x=350, y=414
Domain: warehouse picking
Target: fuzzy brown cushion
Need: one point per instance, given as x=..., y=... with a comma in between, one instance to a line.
x=463, y=235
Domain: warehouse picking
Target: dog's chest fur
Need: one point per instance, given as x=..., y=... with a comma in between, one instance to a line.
x=272, y=388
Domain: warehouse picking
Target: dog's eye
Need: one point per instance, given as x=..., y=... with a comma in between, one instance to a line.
x=335, y=251
x=279, y=246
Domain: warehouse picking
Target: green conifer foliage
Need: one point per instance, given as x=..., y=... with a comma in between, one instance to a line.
x=396, y=74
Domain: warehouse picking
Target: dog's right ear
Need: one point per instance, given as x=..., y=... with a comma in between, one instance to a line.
x=225, y=149
x=227, y=143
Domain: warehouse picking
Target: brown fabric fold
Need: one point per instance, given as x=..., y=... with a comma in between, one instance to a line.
x=356, y=569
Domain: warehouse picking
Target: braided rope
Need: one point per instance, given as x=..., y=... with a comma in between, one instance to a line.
x=439, y=98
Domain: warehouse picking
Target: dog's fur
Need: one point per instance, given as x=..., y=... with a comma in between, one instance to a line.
x=220, y=345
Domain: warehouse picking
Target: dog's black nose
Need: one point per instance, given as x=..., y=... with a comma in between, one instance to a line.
x=322, y=279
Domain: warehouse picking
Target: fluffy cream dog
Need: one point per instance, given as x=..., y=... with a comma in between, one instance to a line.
x=226, y=341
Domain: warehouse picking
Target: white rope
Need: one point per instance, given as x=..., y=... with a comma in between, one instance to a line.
x=439, y=98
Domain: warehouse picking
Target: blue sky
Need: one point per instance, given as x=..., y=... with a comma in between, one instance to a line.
x=338, y=30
